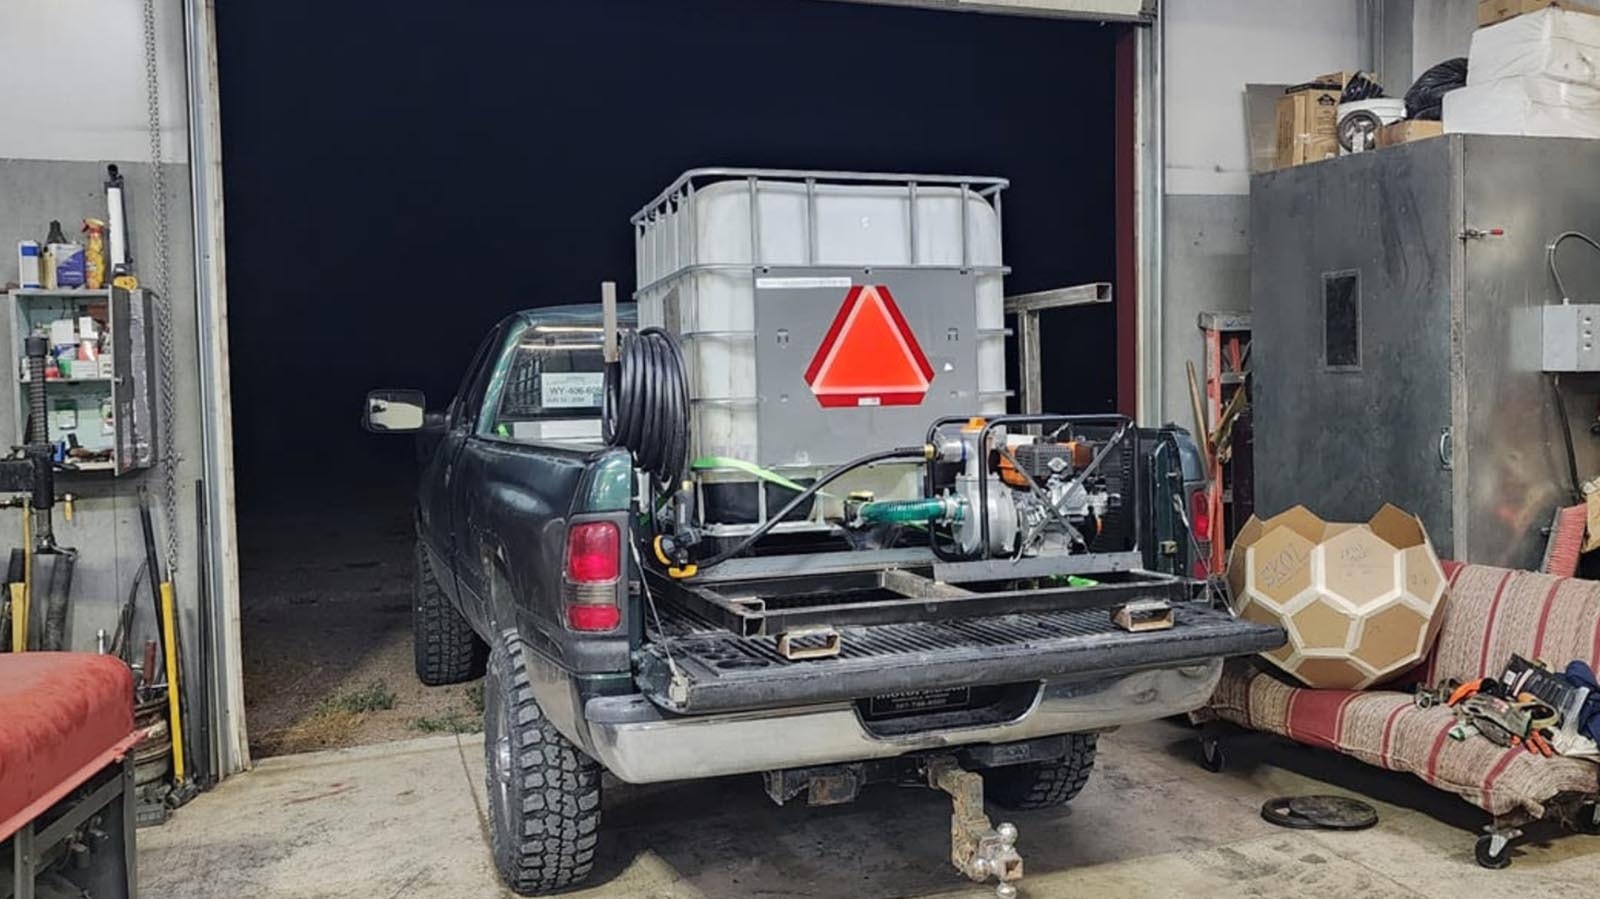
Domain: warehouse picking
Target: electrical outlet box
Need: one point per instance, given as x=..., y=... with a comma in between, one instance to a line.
x=1568, y=333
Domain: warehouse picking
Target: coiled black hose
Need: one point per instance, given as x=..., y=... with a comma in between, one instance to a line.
x=899, y=452
x=645, y=408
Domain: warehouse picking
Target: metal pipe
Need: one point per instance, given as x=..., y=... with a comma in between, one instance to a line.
x=746, y=267
x=987, y=183
x=755, y=222
x=966, y=245
x=999, y=225
x=811, y=221
x=1153, y=227
x=912, y=228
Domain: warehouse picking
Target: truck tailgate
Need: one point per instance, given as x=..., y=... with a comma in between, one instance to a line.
x=712, y=670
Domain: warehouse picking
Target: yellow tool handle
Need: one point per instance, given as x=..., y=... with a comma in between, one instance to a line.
x=169, y=636
x=19, y=619
x=19, y=628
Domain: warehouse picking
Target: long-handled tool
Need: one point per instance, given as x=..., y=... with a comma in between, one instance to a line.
x=167, y=620
x=204, y=757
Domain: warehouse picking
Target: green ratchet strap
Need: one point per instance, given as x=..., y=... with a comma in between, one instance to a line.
x=724, y=462
x=1073, y=580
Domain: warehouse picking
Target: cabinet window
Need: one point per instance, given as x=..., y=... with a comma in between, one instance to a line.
x=1341, y=320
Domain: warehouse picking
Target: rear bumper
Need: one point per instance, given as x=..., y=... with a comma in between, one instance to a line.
x=639, y=743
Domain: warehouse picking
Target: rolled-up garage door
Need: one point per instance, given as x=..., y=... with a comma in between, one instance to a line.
x=1124, y=10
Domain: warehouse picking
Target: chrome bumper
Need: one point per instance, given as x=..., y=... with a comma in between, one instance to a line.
x=639, y=743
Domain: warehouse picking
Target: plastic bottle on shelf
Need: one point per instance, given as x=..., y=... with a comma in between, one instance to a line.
x=30, y=266
x=64, y=267
x=94, y=256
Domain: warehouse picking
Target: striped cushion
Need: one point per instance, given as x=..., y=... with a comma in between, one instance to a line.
x=1493, y=612
x=1384, y=728
x=1490, y=614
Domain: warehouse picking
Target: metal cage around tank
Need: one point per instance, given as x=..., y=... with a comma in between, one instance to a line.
x=724, y=254
x=668, y=252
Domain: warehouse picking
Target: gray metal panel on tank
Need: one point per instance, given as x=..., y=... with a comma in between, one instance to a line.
x=939, y=306
x=1511, y=448
x=1344, y=439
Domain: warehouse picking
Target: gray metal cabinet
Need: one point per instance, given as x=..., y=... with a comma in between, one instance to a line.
x=1396, y=350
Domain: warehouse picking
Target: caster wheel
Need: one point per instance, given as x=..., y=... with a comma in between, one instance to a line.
x=1587, y=820
x=1493, y=851
x=1212, y=756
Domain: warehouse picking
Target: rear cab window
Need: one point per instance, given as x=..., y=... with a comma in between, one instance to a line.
x=547, y=383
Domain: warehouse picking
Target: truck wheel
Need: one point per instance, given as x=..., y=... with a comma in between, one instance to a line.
x=1037, y=785
x=544, y=793
x=445, y=649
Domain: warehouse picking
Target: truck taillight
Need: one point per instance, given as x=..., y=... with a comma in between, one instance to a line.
x=594, y=552
x=593, y=618
x=593, y=569
x=1200, y=516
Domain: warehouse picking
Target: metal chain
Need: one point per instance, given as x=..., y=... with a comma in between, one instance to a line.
x=162, y=282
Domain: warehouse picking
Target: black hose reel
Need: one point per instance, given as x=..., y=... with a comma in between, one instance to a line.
x=645, y=407
x=645, y=410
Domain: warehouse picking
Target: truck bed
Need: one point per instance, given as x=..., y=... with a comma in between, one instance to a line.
x=692, y=668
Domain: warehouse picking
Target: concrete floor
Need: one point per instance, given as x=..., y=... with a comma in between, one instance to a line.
x=406, y=820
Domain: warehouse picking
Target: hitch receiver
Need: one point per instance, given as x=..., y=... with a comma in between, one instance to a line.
x=978, y=849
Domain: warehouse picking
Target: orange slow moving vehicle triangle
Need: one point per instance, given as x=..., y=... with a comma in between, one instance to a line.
x=869, y=356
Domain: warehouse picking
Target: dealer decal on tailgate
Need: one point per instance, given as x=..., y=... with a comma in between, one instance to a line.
x=914, y=701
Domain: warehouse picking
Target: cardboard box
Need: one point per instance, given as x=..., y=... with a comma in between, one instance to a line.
x=1331, y=81
x=1361, y=602
x=1407, y=131
x=1492, y=11
x=1308, y=126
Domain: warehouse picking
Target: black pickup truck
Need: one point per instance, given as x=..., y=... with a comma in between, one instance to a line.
x=821, y=667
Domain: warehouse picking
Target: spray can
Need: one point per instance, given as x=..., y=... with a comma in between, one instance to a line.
x=30, y=267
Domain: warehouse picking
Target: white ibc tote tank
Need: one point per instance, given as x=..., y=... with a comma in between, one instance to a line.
x=704, y=242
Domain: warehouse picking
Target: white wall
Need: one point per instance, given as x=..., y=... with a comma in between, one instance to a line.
x=74, y=80
x=1216, y=47
x=1213, y=49
x=1440, y=30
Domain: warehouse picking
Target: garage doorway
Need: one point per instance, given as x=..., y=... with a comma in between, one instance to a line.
x=398, y=182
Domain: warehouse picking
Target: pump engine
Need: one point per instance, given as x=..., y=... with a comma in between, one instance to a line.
x=1001, y=492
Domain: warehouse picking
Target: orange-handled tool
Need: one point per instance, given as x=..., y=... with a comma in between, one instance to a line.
x=1465, y=690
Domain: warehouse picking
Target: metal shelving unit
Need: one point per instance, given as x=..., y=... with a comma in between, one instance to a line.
x=110, y=410
x=1227, y=345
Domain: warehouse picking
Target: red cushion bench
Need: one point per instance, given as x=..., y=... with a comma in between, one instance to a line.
x=66, y=731
x=1490, y=614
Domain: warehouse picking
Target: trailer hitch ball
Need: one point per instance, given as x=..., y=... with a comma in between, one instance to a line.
x=978, y=849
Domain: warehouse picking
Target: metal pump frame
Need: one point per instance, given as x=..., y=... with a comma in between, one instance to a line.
x=776, y=594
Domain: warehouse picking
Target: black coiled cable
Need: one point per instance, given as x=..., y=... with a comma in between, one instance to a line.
x=646, y=405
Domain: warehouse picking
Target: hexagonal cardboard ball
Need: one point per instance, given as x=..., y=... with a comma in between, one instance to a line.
x=1361, y=602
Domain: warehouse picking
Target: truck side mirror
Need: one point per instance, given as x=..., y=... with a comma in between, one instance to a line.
x=395, y=411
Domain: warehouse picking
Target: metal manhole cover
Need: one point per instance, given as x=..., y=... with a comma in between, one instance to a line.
x=1319, y=813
